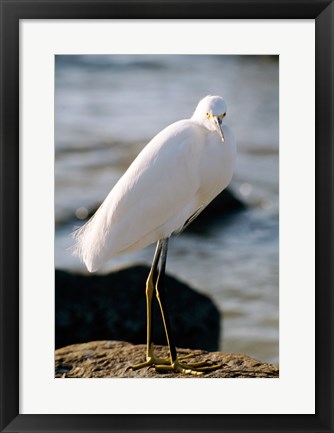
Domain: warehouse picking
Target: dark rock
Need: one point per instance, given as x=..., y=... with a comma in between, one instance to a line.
x=113, y=307
x=115, y=358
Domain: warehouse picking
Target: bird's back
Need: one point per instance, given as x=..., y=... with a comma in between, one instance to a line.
x=152, y=199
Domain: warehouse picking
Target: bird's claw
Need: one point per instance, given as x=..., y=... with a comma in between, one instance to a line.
x=151, y=361
x=196, y=368
x=165, y=364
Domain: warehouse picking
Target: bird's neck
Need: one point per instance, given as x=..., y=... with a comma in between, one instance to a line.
x=199, y=123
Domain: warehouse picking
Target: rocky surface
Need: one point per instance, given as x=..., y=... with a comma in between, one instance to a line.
x=103, y=359
x=113, y=307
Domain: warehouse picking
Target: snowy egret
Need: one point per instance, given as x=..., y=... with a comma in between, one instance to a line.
x=179, y=172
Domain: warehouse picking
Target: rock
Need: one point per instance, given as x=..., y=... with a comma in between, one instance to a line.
x=110, y=307
x=115, y=358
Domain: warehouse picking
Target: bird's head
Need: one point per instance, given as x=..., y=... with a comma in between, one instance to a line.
x=210, y=113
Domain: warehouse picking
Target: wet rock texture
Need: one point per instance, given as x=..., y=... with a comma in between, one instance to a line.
x=113, y=307
x=105, y=359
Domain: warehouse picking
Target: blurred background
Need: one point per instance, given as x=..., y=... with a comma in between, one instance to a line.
x=108, y=107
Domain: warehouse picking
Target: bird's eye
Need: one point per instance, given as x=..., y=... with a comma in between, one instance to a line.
x=208, y=115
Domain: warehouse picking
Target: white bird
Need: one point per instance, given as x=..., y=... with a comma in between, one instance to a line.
x=179, y=172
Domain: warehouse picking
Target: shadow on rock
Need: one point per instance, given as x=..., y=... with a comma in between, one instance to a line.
x=113, y=307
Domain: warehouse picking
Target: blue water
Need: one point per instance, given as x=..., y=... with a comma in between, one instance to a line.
x=108, y=107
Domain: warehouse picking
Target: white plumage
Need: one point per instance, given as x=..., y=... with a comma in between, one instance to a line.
x=175, y=176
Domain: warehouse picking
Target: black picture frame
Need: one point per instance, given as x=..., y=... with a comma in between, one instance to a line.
x=12, y=11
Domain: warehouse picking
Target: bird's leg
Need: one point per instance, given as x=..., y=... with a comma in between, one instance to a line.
x=150, y=358
x=160, y=293
x=149, y=304
x=174, y=364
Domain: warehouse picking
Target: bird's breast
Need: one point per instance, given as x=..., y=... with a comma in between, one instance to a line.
x=216, y=166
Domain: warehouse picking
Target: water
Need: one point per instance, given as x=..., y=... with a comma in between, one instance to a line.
x=108, y=107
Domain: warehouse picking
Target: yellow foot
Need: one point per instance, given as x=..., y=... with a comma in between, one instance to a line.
x=196, y=369
x=151, y=360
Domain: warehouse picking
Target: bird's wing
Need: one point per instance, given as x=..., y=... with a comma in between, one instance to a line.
x=152, y=199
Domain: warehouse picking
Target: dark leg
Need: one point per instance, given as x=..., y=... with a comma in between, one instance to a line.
x=150, y=283
x=161, y=297
x=158, y=279
x=149, y=295
x=175, y=364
